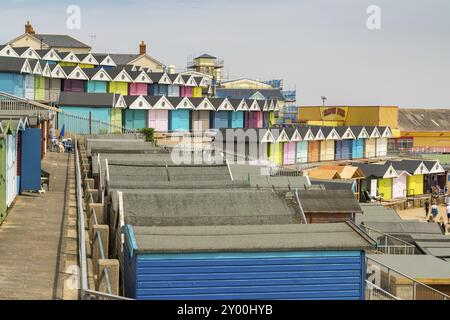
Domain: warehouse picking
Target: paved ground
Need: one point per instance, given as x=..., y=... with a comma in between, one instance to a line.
x=419, y=214
x=31, y=238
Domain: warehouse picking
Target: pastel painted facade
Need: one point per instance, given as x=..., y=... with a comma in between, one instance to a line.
x=159, y=120
x=95, y=86
x=118, y=87
x=138, y=89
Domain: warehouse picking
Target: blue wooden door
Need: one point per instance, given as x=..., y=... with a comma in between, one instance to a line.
x=237, y=119
x=358, y=149
x=219, y=119
x=338, y=150
x=31, y=160
x=346, y=149
x=179, y=120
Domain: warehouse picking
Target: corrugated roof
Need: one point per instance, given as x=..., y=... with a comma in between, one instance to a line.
x=332, y=236
x=423, y=120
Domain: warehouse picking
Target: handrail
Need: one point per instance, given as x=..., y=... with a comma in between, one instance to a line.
x=386, y=234
x=81, y=226
x=302, y=213
x=371, y=286
x=444, y=296
x=229, y=169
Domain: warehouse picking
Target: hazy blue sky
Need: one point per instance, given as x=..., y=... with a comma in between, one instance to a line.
x=319, y=47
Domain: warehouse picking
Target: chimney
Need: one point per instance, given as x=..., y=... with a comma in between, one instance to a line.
x=142, y=48
x=29, y=28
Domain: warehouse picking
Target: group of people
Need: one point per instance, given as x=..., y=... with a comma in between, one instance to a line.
x=434, y=213
x=60, y=144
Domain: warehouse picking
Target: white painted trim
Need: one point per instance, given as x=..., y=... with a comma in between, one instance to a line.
x=71, y=58
x=57, y=68
x=333, y=135
x=390, y=173
x=185, y=103
x=319, y=136
x=178, y=80
x=47, y=71
x=268, y=138
x=225, y=106
x=92, y=62
x=163, y=104
x=242, y=106
x=48, y=56
x=363, y=134
x=97, y=76
x=12, y=53
x=30, y=54
x=164, y=79
x=123, y=76
x=421, y=169
x=140, y=104
x=296, y=137
x=77, y=74
x=119, y=102
x=254, y=106
x=348, y=135
x=26, y=67
x=205, y=105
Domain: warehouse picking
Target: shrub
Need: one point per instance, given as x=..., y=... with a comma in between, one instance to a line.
x=148, y=133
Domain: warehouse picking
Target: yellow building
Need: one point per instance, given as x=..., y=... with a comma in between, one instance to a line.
x=245, y=83
x=209, y=65
x=349, y=115
x=424, y=130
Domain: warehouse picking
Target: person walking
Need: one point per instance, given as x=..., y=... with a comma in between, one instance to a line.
x=448, y=213
x=434, y=210
x=427, y=208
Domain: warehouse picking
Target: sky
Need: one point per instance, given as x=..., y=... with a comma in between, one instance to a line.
x=318, y=47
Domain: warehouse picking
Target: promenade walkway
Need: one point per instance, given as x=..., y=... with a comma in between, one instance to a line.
x=33, y=235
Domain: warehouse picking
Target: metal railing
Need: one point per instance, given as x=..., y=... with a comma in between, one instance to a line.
x=400, y=285
x=73, y=123
x=374, y=292
x=388, y=244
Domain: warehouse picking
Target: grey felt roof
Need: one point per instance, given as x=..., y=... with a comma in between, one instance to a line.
x=87, y=99
x=371, y=169
x=8, y=64
x=205, y=55
x=333, y=236
x=336, y=184
x=325, y=201
x=405, y=165
x=119, y=146
x=60, y=40
x=438, y=249
x=405, y=227
x=122, y=58
x=132, y=184
x=377, y=213
x=416, y=266
x=206, y=207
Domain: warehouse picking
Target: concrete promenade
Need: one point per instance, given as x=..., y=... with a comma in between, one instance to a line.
x=34, y=236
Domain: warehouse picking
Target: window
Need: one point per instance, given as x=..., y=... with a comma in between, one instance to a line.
x=8, y=52
x=123, y=77
x=140, y=104
x=101, y=75
x=77, y=74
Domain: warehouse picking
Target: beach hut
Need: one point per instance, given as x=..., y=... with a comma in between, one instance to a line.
x=120, y=80
x=236, y=118
x=201, y=113
x=417, y=171
x=3, y=206
x=289, y=148
x=378, y=181
x=303, y=146
x=98, y=80
x=11, y=129
x=49, y=56
x=177, y=81
x=75, y=81
x=12, y=75
x=436, y=177
x=68, y=59
x=276, y=149
x=87, y=61
x=382, y=142
x=27, y=53
x=6, y=50
x=105, y=61
x=221, y=117
x=370, y=146
x=347, y=173
x=358, y=144
x=160, y=85
x=100, y=107
x=327, y=145
x=189, y=83
x=314, y=145
x=245, y=262
x=399, y=184
x=141, y=81
x=135, y=115
x=179, y=118
x=343, y=147
x=158, y=116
